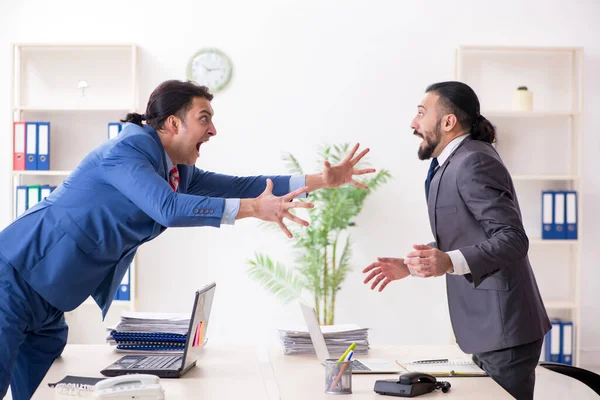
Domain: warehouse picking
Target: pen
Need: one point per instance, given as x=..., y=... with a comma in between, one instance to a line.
x=430, y=361
x=350, y=348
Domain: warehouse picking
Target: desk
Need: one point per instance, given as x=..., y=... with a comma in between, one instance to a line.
x=302, y=377
x=223, y=372
x=249, y=373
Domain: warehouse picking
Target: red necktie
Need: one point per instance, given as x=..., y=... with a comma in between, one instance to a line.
x=174, y=178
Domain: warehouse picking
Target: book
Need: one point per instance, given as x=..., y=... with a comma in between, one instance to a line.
x=446, y=367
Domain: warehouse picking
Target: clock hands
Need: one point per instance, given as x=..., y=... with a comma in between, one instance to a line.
x=211, y=69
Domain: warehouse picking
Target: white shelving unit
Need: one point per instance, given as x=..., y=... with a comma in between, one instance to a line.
x=46, y=86
x=541, y=148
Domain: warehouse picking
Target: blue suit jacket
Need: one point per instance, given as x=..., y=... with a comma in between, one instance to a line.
x=80, y=240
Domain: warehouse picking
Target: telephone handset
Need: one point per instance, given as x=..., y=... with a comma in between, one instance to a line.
x=134, y=386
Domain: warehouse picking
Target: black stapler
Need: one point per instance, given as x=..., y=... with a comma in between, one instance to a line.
x=410, y=384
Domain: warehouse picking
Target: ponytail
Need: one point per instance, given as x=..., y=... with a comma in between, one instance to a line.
x=483, y=130
x=134, y=118
x=459, y=99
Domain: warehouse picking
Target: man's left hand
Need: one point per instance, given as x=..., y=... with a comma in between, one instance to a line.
x=344, y=172
x=428, y=261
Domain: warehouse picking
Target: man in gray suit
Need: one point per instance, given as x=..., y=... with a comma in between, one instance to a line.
x=481, y=247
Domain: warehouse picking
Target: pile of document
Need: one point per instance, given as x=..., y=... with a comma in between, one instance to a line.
x=140, y=332
x=337, y=339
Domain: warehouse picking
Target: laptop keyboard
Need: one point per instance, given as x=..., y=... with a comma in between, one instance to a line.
x=358, y=366
x=156, y=362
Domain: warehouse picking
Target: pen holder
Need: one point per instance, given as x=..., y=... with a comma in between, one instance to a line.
x=338, y=377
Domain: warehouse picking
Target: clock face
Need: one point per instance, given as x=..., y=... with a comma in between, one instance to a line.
x=211, y=68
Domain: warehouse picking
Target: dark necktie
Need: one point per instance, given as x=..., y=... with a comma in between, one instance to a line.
x=432, y=170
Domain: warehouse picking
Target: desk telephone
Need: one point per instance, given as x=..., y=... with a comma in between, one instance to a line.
x=410, y=384
x=135, y=386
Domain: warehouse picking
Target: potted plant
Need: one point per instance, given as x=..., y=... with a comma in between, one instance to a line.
x=324, y=249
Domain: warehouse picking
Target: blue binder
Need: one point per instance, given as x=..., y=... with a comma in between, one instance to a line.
x=124, y=292
x=43, y=146
x=566, y=334
x=559, y=231
x=20, y=200
x=571, y=215
x=45, y=191
x=554, y=343
x=30, y=146
x=547, y=215
x=113, y=129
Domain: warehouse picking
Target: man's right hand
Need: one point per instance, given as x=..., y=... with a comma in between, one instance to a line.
x=268, y=207
x=386, y=270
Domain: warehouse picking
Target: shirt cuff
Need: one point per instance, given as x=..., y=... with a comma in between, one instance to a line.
x=232, y=207
x=297, y=182
x=461, y=267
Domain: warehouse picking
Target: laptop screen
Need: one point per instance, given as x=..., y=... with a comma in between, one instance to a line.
x=316, y=336
x=196, y=337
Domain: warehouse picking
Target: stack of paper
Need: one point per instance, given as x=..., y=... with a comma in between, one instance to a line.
x=337, y=339
x=150, y=333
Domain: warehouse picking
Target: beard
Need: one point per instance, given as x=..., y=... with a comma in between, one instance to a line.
x=432, y=140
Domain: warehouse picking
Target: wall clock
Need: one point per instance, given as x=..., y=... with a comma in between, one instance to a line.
x=210, y=67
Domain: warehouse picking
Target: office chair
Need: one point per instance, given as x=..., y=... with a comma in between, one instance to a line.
x=589, y=378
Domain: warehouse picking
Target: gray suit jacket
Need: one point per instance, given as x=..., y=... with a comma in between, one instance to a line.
x=473, y=208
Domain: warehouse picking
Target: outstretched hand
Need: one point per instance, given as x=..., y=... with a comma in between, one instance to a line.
x=269, y=207
x=386, y=270
x=344, y=172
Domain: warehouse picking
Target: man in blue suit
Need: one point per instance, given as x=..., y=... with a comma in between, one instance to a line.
x=80, y=240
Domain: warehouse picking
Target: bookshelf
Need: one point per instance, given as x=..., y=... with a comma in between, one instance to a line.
x=542, y=149
x=79, y=89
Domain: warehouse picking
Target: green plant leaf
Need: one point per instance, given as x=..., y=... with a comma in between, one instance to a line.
x=292, y=164
x=275, y=278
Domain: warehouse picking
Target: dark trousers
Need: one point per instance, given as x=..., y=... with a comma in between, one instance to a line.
x=32, y=334
x=513, y=368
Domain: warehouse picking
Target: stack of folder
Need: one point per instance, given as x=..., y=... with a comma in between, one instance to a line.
x=558, y=343
x=337, y=339
x=31, y=146
x=559, y=215
x=28, y=196
x=150, y=333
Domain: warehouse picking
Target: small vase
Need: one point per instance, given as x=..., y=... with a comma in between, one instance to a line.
x=522, y=99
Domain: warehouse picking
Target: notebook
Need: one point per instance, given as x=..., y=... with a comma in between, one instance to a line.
x=450, y=367
x=75, y=385
x=143, y=336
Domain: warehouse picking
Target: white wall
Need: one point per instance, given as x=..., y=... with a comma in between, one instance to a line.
x=305, y=74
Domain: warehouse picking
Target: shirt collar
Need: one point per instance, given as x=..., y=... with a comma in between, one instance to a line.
x=170, y=164
x=450, y=147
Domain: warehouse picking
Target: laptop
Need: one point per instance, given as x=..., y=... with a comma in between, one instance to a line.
x=172, y=366
x=366, y=366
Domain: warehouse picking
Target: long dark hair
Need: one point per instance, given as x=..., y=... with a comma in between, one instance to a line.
x=169, y=98
x=459, y=99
